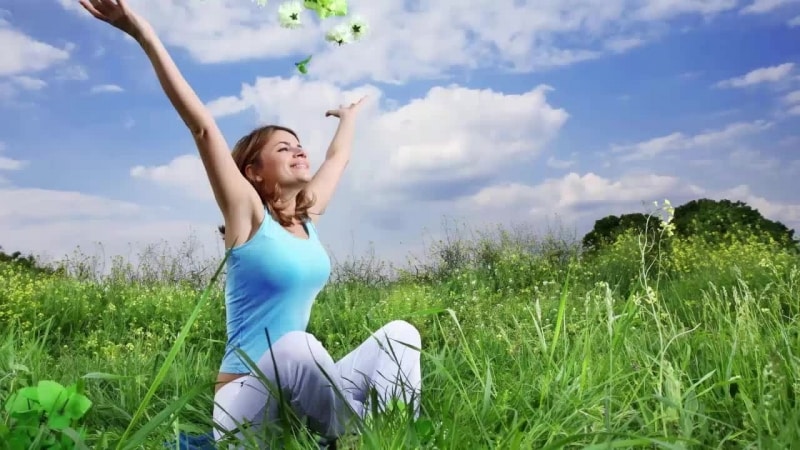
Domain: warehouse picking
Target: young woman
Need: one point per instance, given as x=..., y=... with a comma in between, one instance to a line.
x=270, y=202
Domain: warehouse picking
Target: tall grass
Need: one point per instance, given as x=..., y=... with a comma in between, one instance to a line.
x=528, y=343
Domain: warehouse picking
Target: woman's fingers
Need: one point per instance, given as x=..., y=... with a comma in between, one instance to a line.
x=89, y=6
x=123, y=5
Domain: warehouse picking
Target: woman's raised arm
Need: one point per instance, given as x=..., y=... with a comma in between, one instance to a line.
x=234, y=195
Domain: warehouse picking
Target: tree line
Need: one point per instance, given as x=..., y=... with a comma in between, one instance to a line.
x=714, y=221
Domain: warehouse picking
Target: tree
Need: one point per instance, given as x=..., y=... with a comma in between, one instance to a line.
x=26, y=261
x=609, y=228
x=716, y=221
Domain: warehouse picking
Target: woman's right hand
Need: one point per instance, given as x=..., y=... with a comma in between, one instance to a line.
x=116, y=13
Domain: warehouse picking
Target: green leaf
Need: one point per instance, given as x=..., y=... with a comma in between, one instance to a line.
x=52, y=395
x=424, y=429
x=104, y=376
x=77, y=406
x=302, y=66
x=327, y=8
x=22, y=401
x=57, y=421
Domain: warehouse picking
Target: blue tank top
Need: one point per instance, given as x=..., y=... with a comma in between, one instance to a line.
x=272, y=282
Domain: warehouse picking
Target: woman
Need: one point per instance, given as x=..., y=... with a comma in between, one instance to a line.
x=276, y=267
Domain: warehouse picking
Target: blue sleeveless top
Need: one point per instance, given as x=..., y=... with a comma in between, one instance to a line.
x=272, y=282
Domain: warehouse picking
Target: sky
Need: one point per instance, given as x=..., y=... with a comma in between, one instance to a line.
x=546, y=114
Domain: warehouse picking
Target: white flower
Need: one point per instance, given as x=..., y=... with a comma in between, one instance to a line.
x=339, y=34
x=358, y=27
x=289, y=14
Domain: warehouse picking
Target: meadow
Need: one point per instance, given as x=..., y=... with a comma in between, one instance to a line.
x=528, y=342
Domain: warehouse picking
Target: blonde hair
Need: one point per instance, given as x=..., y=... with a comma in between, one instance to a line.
x=247, y=151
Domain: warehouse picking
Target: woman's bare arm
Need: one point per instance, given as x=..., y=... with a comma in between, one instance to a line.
x=234, y=195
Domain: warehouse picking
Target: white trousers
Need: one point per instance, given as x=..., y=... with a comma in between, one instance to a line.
x=328, y=394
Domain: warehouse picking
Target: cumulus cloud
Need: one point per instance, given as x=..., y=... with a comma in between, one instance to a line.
x=679, y=141
x=9, y=164
x=19, y=205
x=581, y=199
x=54, y=223
x=575, y=192
x=763, y=75
x=451, y=136
x=556, y=163
x=754, y=160
x=186, y=173
x=788, y=213
x=23, y=54
x=513, y=34
x=29, y=83
x=107, y=89
x=792, y=101
x=765, y=6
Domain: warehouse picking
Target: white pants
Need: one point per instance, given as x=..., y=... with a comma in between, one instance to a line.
x=328, y=394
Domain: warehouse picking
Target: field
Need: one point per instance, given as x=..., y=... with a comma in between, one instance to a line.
x=527, y=344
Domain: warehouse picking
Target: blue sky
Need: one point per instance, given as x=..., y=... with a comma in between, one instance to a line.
x=508, y=112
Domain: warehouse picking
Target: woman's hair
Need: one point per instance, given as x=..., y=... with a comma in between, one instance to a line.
x=246, y=152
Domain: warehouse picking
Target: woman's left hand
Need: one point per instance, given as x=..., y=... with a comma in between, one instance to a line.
x=346, y=111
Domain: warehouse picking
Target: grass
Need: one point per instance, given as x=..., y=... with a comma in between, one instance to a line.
x=527, y=344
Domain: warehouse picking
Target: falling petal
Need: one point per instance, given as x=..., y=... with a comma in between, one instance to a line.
x=289, y=14
x=339, y=34
x=358, y=28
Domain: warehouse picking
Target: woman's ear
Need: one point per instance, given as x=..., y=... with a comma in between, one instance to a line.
x=252, y=175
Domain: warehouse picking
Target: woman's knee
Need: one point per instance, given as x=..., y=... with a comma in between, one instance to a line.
x=301, y=350
x=400, y=331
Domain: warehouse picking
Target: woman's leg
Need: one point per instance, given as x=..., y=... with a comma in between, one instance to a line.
x=384, y=362
x=300, y=360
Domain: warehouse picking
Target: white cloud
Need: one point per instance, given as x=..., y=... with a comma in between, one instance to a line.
x=56, y=238
x=754, y=160
x=585, y=198
x=54, y=223
x=794, y=22
x=29, y=83
x=763, y=75
x=184, y=172
x=559, y=163
x=9, y=164
x=459, y=134
x=226, y=106
x=513, y=34
x=792, y=97
x=72, y=73
x=572, y=192
x=787, y=213
x=765, y=6
x=792, y=100
x=19, y=205
x=10, y=88
x=106, y=89
x=20, y=53
x=667, y=9
x=680, y=141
